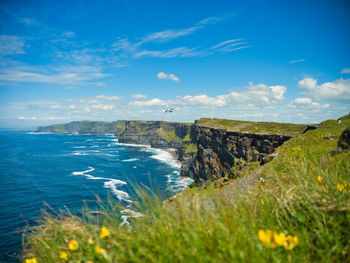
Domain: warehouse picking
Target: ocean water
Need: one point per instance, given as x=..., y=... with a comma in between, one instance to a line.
x=63, y=170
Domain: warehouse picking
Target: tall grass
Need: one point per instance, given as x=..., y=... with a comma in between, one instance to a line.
x=305, y=193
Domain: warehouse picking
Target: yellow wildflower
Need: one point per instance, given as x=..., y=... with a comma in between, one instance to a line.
x=104, y=232
x=291, y=242
x=319, y=179
x=265, y=237
x=63, y=255
x=279, y=239
x=90, y=240
x=73, y=245
x=340, y=187
x=31, y=260
x=99, y=250
x=262, y=201
x=89, y=261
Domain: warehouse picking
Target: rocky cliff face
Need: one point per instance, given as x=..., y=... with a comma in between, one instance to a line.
x=160, y=134
x=221, y=152
x=85, y=127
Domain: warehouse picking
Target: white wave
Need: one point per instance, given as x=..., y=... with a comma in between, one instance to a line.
x=176, y=183
x=94, y=146
x=130, y=160
x=121, y=195
x=164, y=157
x=79, y=153
x=134, y=145
x=84, y=172
x=126, y=213
x=79, y=147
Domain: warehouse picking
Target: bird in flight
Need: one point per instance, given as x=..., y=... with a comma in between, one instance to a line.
x=169, y=110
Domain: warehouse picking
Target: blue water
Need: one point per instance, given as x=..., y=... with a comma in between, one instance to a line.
x=63, y=170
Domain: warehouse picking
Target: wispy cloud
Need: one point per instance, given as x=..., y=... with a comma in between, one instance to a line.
x=230, y=45
x=297, y=60
x=170, y=53
x=138, y=96
x=11, y=45
x=345, y=71
x=162, y=75
x=64, y=75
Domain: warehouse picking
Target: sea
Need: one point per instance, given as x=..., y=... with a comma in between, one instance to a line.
x=54, y=172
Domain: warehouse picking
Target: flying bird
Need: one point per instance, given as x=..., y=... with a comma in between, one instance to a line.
x=169, y=110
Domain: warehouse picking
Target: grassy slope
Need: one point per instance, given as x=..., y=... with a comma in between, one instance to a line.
x=299, y=197
x=253, y=127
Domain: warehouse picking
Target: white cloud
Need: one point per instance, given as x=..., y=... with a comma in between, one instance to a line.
x=10, y=45
x=107, y=98
x=306, y=102
x=138, y=96
x=259, y=94
x=302, y=101
x=338, y=90
x=150, y=103
x=345, y=71
x=297, y=60
x=162, y=75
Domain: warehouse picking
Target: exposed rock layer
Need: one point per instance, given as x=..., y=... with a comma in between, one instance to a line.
x=221, y=152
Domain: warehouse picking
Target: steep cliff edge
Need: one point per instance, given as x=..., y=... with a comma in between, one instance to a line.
x=85, y=127
x=225, y=146
x=161, y=134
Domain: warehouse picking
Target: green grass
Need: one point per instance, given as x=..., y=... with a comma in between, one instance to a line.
x=168, y=135
x=191, y=148
x=253, y=127
x=298, y=194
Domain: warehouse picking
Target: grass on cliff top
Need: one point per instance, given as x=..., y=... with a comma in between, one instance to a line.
x=303, y=198
x=253, y=127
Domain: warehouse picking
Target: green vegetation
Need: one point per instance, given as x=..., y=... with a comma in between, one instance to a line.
x=59, y=128
x=253, y=127
x=168, y=135
x=294, y=209
x=191, y=148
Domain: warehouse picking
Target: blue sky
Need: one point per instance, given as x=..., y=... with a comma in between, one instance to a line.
x=286, y=61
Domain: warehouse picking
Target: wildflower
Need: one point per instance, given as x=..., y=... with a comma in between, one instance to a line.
x=99, y=250
x=89, y=261
x=73, y=245
x=319, y=179
x=104, y=232
x=291, y=242
x=340, y=187
x=63, y=255
x=262, y=201
x=279, y=239
x=31, y=260
x=265, y=237
x=90, y=240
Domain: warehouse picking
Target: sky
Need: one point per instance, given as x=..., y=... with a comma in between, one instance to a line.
x=283, y=61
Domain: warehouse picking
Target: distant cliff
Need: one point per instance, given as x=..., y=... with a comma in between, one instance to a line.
x=161, y=134
x=85, y=127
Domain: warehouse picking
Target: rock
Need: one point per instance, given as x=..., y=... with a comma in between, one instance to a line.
x=221, y=153
x=344, y=141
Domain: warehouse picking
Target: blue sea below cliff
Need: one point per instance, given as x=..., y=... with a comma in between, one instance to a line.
x=64, y=170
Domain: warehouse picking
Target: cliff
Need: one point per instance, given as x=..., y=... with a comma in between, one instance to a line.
x=161, y=134
x=226, y=146
x=85, y=127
